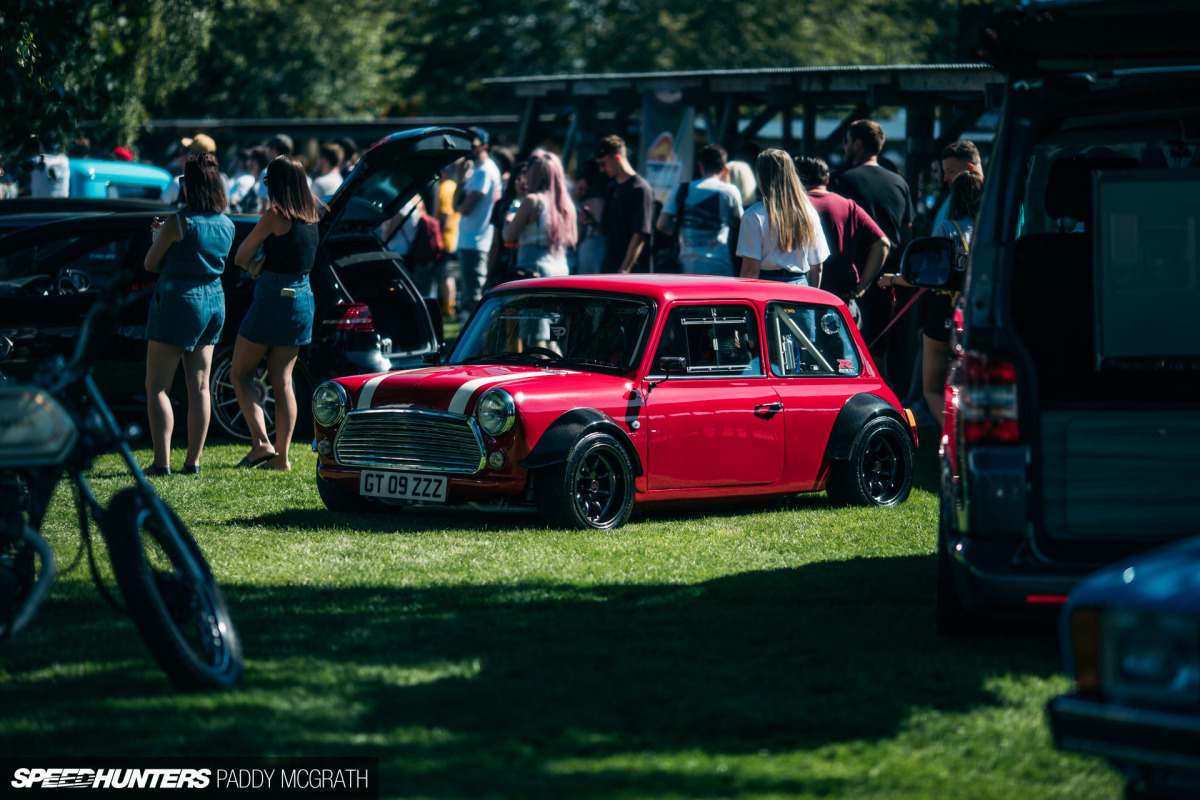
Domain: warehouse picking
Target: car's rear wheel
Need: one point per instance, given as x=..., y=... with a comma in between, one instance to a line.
x=879, y=471
x=225, y=409
x=949, y=615
x=592, y=489
x=228, y=414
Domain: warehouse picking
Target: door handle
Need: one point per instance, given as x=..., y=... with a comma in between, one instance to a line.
x=770, y=408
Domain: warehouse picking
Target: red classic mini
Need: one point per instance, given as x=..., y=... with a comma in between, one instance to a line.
x=582, y=396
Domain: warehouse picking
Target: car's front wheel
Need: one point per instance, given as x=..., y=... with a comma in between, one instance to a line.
x=592, y=489
x=879, y=471
x=342, y=500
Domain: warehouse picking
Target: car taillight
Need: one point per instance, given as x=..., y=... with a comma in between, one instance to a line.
x=356, y=317
x=987, y=399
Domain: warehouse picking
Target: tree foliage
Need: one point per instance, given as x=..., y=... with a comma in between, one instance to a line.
x=63, y=61
x=274, y=58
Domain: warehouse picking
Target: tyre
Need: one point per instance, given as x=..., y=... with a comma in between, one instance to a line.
x=880, y=469
x=340, y=500
x=185, y=623
x=950, y=617
x=225, y=409
x=593, y=488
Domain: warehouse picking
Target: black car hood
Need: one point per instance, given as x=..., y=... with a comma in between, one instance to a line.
x=392, y=172
x=1101, y=36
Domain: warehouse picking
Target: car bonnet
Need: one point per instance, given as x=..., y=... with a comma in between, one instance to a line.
x=454, y=388
x=1165, y=578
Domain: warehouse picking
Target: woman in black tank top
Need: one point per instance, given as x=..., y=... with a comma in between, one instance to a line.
x=279, y=253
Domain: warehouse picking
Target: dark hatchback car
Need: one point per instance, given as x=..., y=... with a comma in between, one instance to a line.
x=1073, y=407
x=370, y=317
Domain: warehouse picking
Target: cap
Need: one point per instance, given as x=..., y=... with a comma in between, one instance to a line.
x=479, y=133
x=200, y=143
x=122, y=154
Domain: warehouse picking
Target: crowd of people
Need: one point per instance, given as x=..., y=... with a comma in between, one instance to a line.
x=776, y=218
x=489, y=219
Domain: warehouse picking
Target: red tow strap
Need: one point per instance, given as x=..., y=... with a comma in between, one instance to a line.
x=896, y=318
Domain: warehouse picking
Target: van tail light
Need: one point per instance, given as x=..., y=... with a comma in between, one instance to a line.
x=987, y=399
x=957, y=326
x=356, y=317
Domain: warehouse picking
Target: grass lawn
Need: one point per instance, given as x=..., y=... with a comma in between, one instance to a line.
x=773, y=650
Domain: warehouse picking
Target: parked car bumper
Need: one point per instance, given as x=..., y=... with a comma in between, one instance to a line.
x=1002, y=577
x=1164, y=741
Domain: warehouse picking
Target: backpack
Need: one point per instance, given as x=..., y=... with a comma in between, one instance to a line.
x=427, y=242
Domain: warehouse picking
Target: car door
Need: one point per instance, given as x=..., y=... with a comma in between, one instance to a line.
x=813, y=367
x=50, y=277
x=718, y=421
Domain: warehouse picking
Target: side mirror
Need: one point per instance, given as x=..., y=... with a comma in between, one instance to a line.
x=929, y=262
x=672, y=364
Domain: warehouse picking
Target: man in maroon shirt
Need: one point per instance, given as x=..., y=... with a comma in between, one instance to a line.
x=857, y=246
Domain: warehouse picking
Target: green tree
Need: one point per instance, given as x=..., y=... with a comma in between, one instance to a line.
x=451, y=46
x=66, y=61
x=271, y=58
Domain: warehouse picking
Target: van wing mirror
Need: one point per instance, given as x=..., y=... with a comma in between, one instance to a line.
x=671, y=364
x=929, y=262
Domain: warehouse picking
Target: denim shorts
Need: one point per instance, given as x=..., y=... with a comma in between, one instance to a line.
x=277, y=317
x=187, y=312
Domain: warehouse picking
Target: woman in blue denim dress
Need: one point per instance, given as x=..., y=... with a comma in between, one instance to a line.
x=187, y=311
x=280, y=319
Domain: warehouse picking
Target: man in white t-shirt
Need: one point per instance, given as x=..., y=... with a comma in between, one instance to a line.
x=711, y=209
x=473, y=199
x=329, y=178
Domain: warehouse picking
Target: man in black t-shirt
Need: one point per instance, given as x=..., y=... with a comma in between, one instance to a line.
x=885, y=196
x=628, y=211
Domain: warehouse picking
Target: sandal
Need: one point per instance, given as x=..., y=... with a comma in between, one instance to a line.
x=247, y=462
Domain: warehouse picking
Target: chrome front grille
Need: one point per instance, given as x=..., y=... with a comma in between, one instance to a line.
x=394, y=438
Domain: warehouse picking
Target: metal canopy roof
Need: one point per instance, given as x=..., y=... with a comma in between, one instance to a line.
x=821, y=84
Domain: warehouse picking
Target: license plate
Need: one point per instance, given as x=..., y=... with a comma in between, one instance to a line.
x=403, y=486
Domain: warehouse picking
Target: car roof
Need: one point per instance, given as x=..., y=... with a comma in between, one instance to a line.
x=669, y=288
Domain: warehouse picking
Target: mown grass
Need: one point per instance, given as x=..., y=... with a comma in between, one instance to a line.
x=770, y=650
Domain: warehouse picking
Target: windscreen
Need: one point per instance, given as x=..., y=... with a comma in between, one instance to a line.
x=602, y=332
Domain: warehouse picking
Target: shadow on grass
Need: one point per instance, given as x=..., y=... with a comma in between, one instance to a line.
x=525, y=689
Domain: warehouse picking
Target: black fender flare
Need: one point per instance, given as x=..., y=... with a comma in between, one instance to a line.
x=855, y=413
x=556, y=443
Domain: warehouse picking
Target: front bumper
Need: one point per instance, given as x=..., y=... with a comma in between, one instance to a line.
x=1154, y=740
x=484, y=487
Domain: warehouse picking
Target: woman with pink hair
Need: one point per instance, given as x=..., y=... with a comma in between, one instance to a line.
x=544, y=225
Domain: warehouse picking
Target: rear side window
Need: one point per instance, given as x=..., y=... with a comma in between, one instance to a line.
x=809, y=341
x=714, y=340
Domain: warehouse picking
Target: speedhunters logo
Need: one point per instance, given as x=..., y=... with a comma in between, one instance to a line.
x=249, y=778
x=76, y=778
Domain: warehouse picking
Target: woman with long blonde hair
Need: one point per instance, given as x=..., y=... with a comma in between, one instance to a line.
x=781, y=237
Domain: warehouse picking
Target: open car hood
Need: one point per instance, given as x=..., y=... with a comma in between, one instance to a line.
x=391, y=173
x=1102, y=36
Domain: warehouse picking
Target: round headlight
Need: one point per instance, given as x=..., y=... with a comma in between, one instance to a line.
x=329, y=404
x=497, y=412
